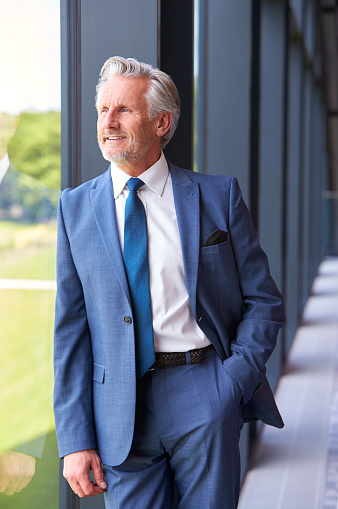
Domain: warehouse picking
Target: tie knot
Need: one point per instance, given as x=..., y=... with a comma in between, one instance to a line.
x=134, y=184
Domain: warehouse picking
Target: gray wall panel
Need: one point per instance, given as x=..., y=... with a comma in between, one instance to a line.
x=227, y=91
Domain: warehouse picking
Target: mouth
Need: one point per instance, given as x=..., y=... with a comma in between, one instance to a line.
x=113, y=137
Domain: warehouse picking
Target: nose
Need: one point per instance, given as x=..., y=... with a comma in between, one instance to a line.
x=111, y=120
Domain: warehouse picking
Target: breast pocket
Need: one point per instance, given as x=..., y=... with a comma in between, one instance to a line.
x=217, y=269
x=216, y=251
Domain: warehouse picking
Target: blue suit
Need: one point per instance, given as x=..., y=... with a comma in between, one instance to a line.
x=233, y=297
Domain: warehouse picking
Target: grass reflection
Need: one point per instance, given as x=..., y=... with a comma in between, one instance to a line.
x=28, y=251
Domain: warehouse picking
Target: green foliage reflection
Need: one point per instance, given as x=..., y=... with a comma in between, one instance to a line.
x=36, y=147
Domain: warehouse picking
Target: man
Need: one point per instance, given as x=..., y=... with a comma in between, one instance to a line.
x=215, y=312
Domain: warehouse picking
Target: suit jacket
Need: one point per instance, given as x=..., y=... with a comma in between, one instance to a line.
x=233, y=298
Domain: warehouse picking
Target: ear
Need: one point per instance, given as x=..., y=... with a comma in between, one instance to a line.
x=163, y=123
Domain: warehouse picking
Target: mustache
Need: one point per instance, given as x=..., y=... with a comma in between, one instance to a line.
x=113, y=132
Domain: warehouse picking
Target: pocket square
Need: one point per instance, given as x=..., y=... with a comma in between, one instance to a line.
x=216, y=237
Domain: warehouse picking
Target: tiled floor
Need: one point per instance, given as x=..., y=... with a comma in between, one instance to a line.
x=297, y=467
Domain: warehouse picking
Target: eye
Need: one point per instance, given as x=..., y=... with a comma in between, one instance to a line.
x=103, y=111
x=125, y=109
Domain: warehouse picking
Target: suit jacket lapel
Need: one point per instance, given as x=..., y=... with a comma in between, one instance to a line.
x=186, y=197
x=102, y=199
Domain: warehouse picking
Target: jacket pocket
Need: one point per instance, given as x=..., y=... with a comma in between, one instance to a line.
x=98, y=373
x=216, y=250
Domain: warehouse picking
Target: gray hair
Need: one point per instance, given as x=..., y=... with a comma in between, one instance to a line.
x=161, y=96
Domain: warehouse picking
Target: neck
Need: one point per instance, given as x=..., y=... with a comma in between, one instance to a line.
x=136, y=169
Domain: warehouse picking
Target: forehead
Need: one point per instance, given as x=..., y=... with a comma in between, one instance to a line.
x=120, y=90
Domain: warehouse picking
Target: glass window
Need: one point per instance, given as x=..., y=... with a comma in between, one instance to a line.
x=29, y=191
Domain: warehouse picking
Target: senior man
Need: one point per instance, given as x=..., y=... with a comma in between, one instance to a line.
x=166, y=313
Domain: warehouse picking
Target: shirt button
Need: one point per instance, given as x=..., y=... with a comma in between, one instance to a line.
x=128, y=320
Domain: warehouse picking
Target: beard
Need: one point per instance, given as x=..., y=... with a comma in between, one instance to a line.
x=135, y=150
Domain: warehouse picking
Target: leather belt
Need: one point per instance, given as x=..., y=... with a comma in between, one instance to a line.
x=166, y=359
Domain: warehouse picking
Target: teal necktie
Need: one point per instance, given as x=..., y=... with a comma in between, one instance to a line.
x=135, y=254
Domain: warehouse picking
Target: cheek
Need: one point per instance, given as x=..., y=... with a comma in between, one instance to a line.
x=100, y=130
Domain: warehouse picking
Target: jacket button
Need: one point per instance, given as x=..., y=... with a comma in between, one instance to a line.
x=128, y=320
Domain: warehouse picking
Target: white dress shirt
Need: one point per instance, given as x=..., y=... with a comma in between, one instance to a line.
x=174, y=326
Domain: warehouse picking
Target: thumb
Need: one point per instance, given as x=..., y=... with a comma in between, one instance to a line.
x=99, y=476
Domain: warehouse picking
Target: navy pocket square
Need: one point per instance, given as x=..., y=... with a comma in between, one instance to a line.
x=216, y=237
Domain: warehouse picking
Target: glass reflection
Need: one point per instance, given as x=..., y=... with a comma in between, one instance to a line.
x=29, y=182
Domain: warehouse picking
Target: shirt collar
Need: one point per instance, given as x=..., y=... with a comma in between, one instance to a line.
x=154, y=177
x=4, y=165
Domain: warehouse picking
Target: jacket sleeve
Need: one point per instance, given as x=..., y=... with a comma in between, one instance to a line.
x=73, y=405
x=263, y=313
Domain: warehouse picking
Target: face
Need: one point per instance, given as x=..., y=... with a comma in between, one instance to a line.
x=125, y=133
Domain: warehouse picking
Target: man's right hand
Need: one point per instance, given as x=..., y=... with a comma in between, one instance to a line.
x=76, y=470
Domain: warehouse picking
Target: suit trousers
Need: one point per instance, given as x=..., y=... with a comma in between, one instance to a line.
x=187, y=429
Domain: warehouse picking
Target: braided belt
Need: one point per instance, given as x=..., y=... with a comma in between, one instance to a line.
x=166, y=359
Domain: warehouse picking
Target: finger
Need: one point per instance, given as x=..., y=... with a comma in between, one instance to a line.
x=12, y=486
x=26, y=472
x=23, y=481
x=99, y=475
x=77, y=490
x=79, y=482
x=13, y=483
x=90, y=489
x=3, y=484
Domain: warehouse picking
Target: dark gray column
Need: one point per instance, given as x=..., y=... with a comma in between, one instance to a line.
x=297, y=9
x=71, y=128
x=292, y=202
x=271, y=141
x=306, y=186
x=271, y=198
x=176, y=59
x=315, y=193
